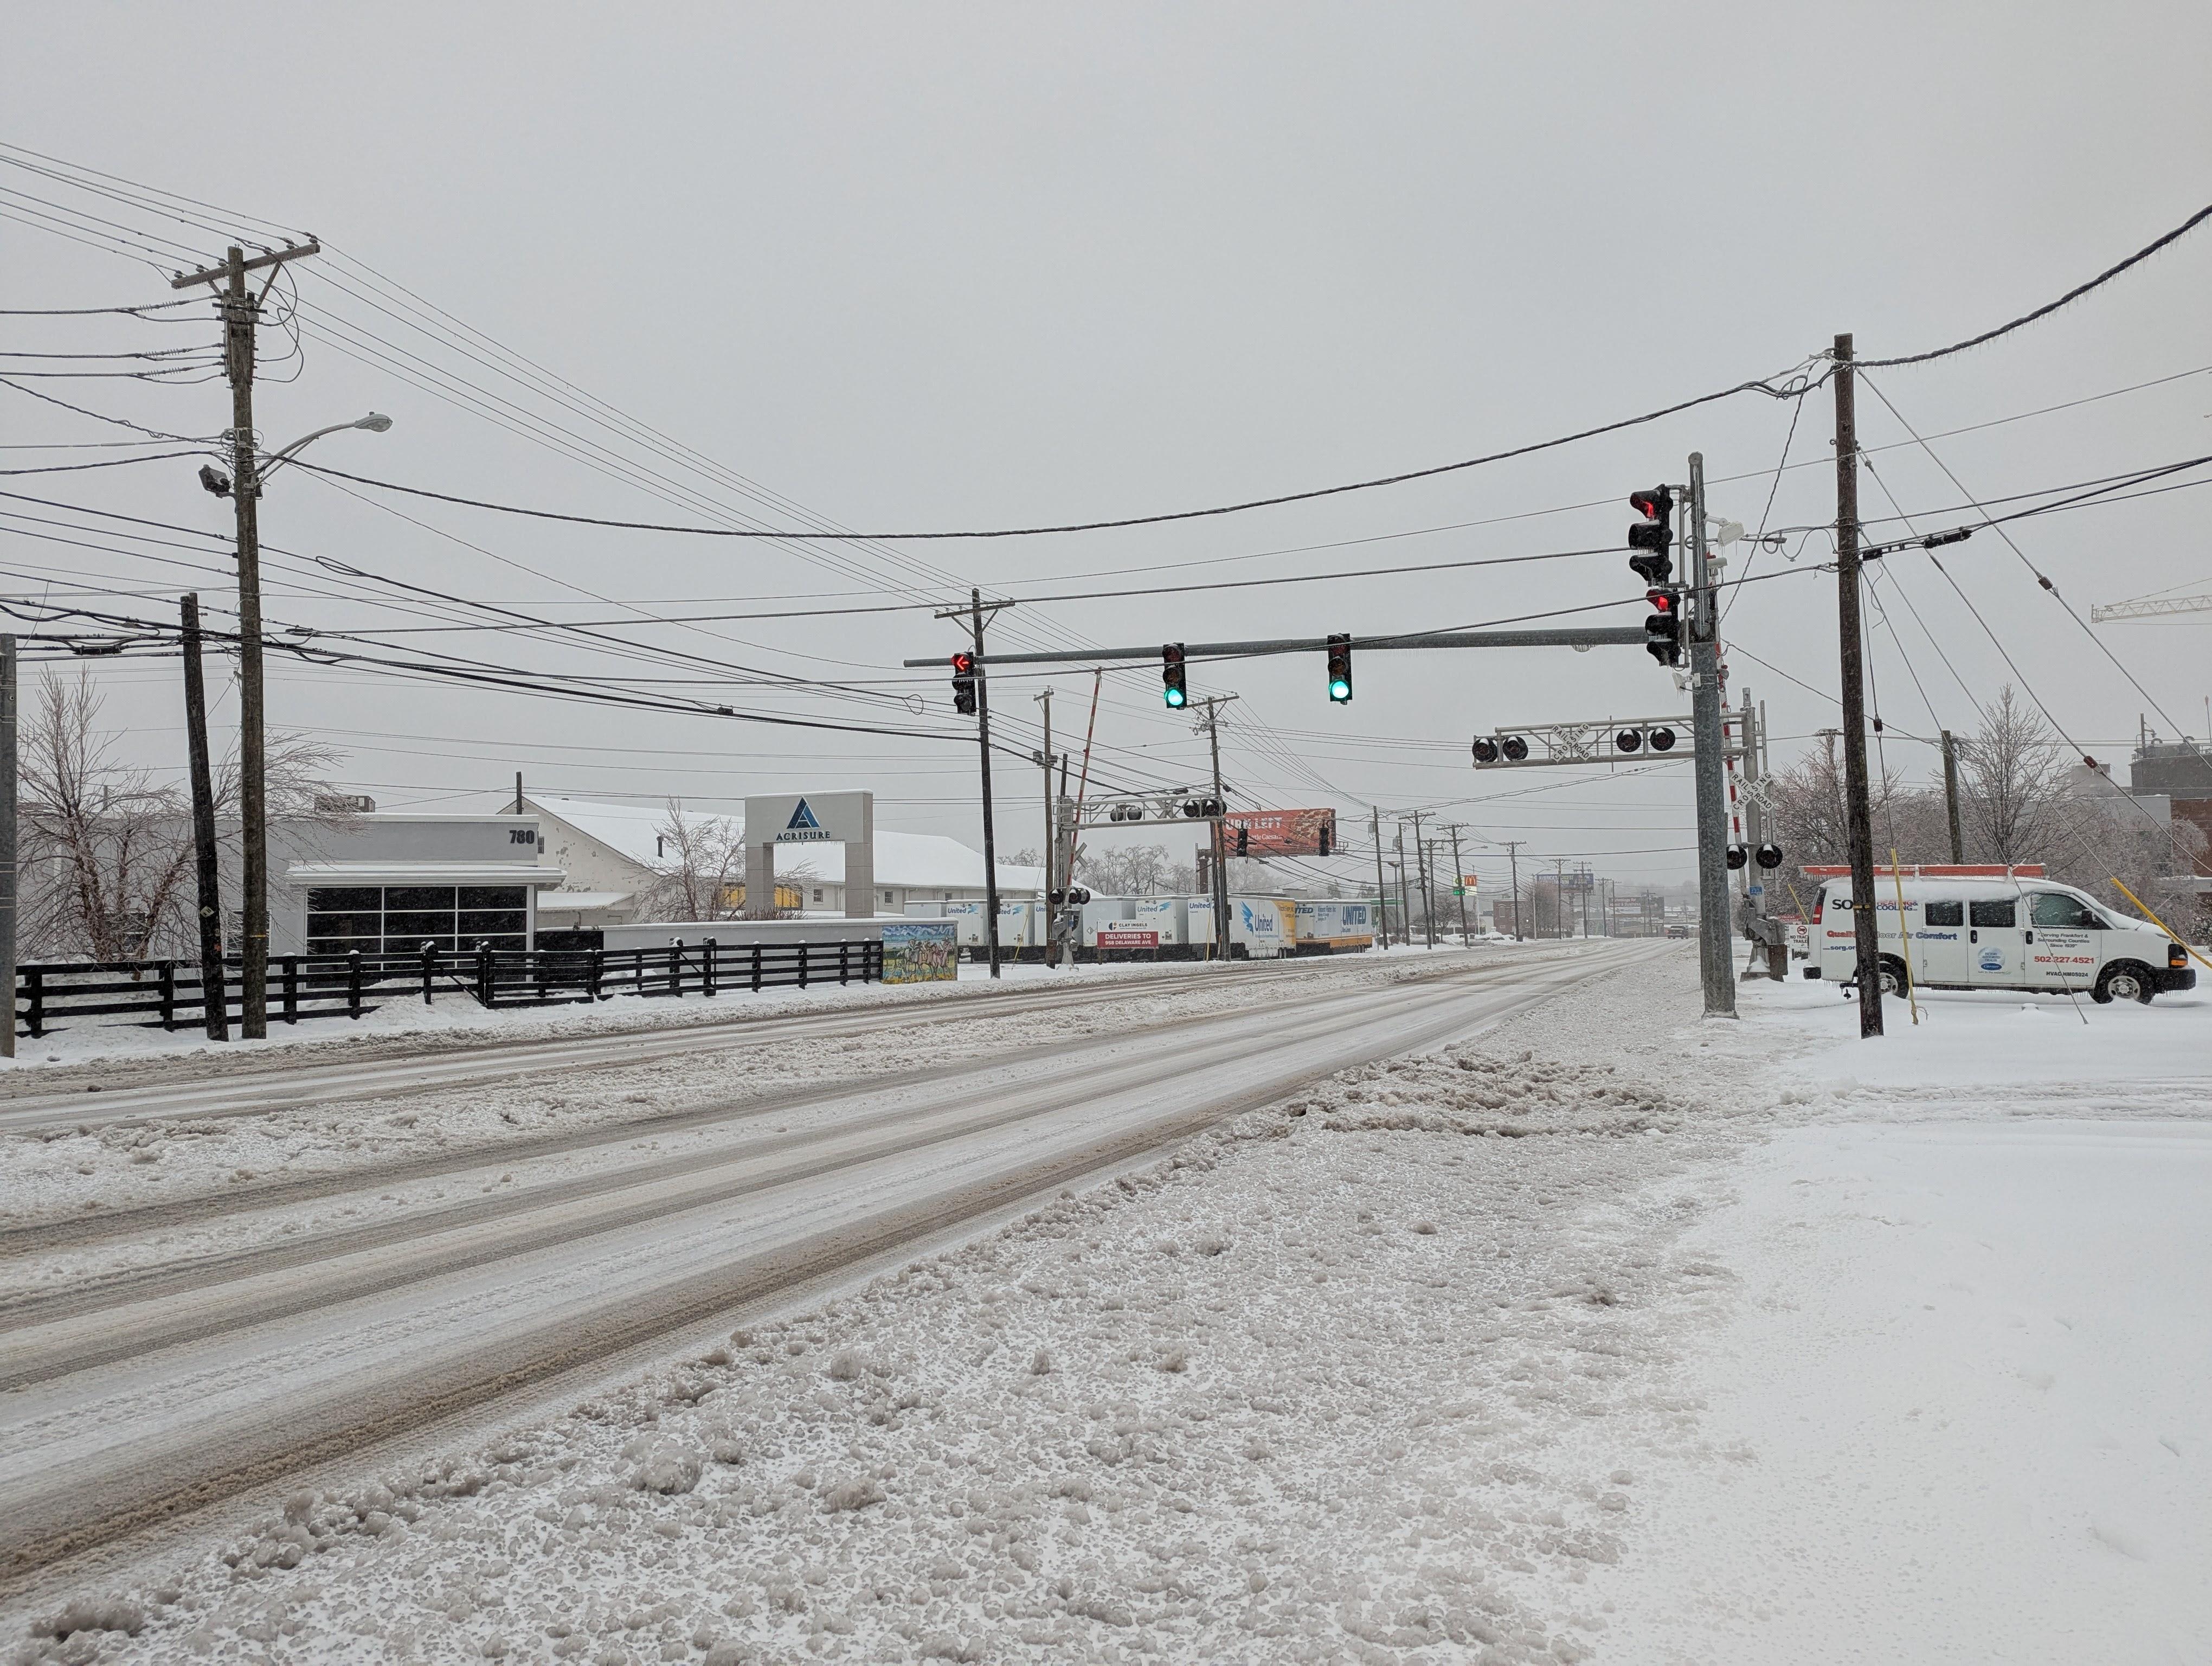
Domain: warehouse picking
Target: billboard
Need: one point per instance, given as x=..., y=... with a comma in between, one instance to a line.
x=919, y=950
x=811, y=818
x=1282, y=832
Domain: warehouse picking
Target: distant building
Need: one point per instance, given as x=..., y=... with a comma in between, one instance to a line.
x=615, y=854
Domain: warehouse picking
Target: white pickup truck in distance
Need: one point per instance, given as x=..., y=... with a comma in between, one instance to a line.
x=2021, y=932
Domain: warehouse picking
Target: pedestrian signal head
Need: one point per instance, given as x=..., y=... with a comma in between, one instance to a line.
x=1172, y=689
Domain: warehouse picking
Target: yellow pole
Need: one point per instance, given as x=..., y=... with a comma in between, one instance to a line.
x=2160, y=923
x=1904, y=936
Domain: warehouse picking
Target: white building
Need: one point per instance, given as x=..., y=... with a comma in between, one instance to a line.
x=614, y=854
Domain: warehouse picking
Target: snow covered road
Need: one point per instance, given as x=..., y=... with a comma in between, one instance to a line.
x=148, y=1372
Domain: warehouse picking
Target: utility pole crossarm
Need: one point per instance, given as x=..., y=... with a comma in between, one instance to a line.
x=239, y=264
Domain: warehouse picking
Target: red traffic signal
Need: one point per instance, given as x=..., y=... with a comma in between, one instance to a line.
x=1653, y=537
x=1662, y=630
x=963, y=683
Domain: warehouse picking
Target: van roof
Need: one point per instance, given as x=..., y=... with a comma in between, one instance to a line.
x=1955, y=887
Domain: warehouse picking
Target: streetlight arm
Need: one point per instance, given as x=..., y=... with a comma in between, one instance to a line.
x=375, y=423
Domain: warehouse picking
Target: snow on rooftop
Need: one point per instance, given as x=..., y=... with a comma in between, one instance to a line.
x=904, y=861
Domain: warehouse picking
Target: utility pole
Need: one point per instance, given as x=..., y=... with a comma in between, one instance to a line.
x=1051, y=844
x=1717, y=959
x=216, y=999
x=1405, y=901
x=974, y=614
x=1219, y=845
x=1459, y=885
x=1421, y=874
x=1382, y=890
x=8, y=847
x=518, y=792
x=240, y=312
x=1858, y=813
x=1951, y=795
x=1513, y=858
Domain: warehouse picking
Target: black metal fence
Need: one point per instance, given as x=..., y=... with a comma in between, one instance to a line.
x=171, y=992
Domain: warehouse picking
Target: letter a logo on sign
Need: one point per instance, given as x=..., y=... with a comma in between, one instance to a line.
x=804, y=827
x=802, y=818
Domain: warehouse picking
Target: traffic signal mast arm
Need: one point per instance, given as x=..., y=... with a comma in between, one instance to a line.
x=1587, y=636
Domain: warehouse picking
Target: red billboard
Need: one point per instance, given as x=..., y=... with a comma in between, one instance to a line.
x=1280, y=832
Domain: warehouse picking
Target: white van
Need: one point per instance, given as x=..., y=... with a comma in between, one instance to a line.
x=1999, y=934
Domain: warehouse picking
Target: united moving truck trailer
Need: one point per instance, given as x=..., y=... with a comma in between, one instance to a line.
x=1168, y=918
x=1964, y=930
x=1258, y=926
x=1332, y=927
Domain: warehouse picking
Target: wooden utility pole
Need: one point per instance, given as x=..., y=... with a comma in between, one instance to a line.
x=241, y=309
x=1382, y=889
x=1513, y=859
x=7, y=844
x=1858, y=813
x=1051, y=880
x=1421, y=876
x=212, y=992
x=1459, y=885
x=1219, y=845
x=1951, y=796
x=518, y=792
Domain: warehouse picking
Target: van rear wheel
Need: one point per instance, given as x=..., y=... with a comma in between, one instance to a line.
x=2124, y=981
x=1893, y=975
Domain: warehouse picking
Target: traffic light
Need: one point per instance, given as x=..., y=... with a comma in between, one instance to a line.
x=1515, y=749
x=1737, y=856
x=1769, y=856
x=1171, y=684
x=1339, y=668
x=1653, y=537
x=963, y=683
x=1197, y=808
x=1629, y=741
x=1243, y=840
x=1662, y=740
x=1485, y=750
x=1662, y=630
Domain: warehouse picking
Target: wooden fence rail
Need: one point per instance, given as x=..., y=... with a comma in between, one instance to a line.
x=170, y=992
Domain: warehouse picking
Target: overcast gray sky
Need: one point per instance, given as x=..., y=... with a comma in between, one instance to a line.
x=916, y=267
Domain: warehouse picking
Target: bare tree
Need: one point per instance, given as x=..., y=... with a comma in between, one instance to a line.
x=1806, y=803
x=102, y=866
x=703, y=869
x=107, y=849
x=2013, y=783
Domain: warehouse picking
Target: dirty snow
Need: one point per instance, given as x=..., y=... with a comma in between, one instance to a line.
x=1619, y=1336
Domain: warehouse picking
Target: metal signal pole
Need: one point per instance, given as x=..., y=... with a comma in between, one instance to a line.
x=974, y=614
x=1857, y=811
x=1717, y=959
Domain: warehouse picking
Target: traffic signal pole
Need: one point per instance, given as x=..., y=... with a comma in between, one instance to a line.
x=983, y=736
x=1715, y=953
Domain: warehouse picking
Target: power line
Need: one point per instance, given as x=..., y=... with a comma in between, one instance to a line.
x=2048, y=308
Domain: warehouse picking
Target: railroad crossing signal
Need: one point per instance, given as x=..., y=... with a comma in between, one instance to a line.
x=1339, y=668
x=1171, y=677
x=963, y=683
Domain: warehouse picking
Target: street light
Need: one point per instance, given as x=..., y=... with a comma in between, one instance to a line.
x=252, y=789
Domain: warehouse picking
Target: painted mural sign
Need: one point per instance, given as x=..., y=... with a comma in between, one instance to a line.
x=920, y=951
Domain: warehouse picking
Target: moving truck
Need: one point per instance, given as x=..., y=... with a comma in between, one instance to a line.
x=1966, y=931
x=1332, y=927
